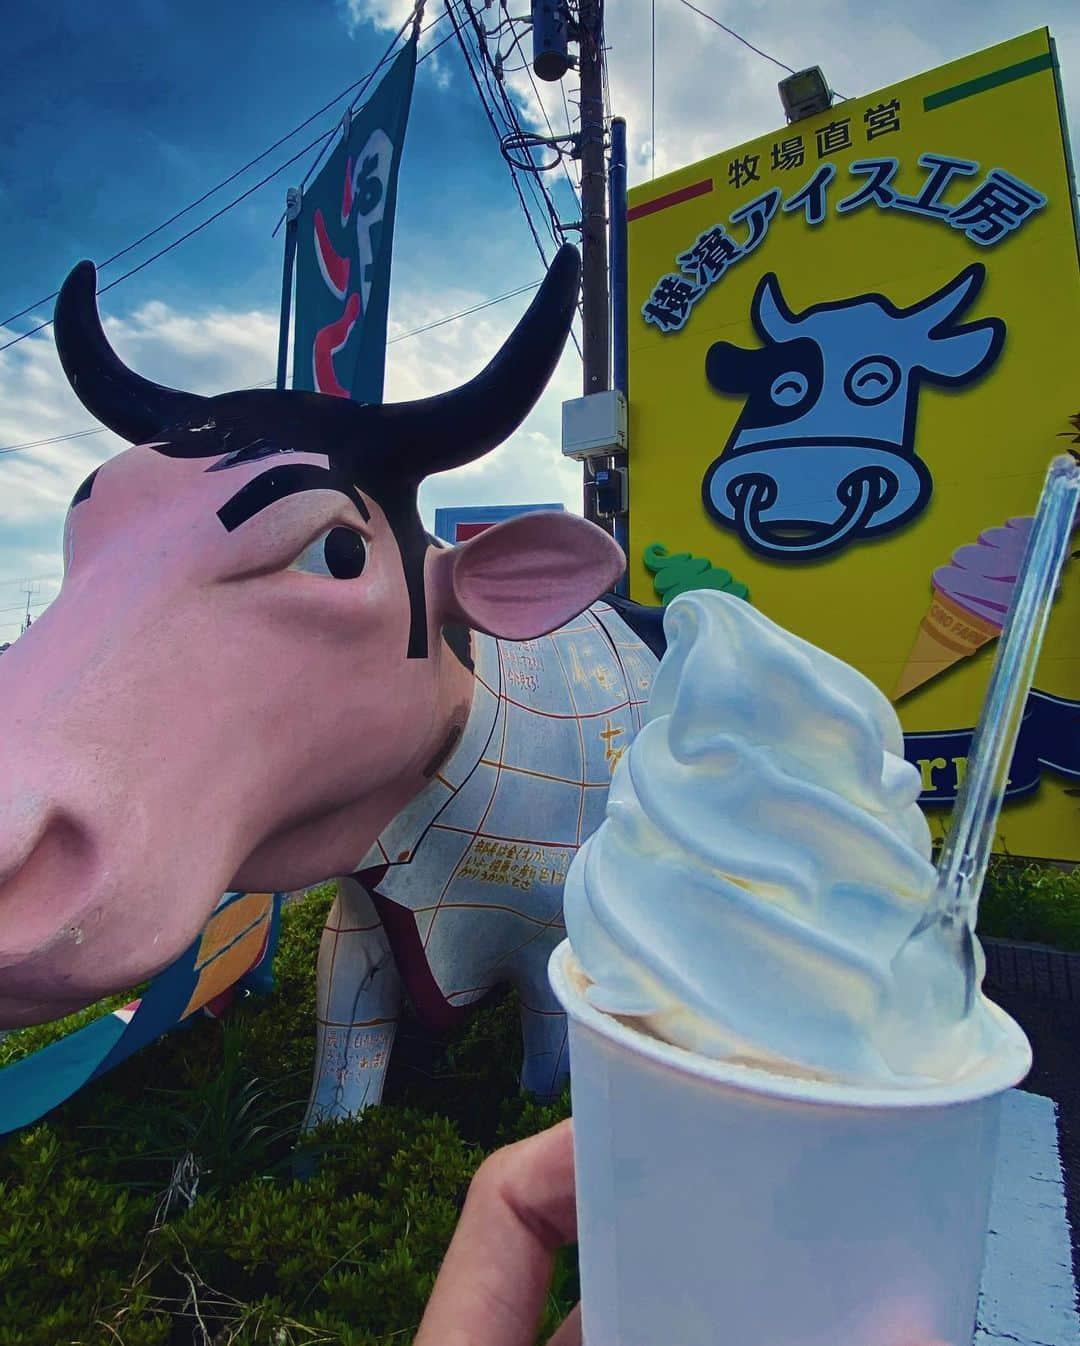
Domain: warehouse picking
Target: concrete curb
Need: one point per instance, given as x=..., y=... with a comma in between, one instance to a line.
x=1032, y=969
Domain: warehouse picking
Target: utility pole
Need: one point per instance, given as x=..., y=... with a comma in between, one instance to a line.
x=594, y=425
x=29, y=597
x=596, y=338
x=294, y=200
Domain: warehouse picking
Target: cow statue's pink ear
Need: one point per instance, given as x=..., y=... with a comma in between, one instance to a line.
x=525, y=577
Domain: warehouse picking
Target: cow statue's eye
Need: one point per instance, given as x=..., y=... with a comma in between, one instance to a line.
x=789, y=389
x=872, y=380
x=341, y=553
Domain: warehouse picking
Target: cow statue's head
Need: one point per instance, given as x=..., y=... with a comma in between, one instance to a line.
x=824, y=451
x=257, y=655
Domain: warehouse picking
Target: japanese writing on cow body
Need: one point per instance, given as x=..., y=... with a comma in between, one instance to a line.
x=355, y=1052
x=993, y=208
x=520, y=866
x=608, y=735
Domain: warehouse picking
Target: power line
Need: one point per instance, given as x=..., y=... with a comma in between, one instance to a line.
x=441, y=322
x=34, y=607
x=33, y=579
x=182, y=239
x=22, y=607
x=55, y=439
x=738, y=37
x=348, y=112
x=505, y=108
x=547, y=119
x=364, y=79
x=554, y=220
x=491, y=122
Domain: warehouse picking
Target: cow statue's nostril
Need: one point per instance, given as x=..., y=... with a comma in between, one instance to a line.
x=23, y=826
x=44, y=857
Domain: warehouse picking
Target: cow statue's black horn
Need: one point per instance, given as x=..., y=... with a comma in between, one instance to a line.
x=134, y=407
x=437, y=433
x=420, y=437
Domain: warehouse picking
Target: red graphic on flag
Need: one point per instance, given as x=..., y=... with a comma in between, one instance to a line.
x=335, y=271
x=328, y=341
x=334, y=268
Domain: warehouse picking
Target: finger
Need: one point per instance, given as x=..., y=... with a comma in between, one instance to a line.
x=519, y=1211
x=569, y=1333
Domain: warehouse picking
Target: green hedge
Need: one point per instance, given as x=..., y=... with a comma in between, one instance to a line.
x=91, y=1254
x=1035, y=903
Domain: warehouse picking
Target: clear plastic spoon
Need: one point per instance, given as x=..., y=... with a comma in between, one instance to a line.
x=966, y=852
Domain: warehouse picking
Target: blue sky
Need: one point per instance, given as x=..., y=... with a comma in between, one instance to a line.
x=129, y=111
x=119, y=115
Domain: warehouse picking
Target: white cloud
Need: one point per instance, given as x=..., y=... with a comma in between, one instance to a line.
x=382, y=13
x=389, y=15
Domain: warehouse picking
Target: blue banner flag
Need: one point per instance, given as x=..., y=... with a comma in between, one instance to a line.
x=344, y=237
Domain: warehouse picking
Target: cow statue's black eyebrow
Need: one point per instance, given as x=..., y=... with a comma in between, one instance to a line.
x=280, y=482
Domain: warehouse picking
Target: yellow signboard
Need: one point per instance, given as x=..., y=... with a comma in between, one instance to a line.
x=852, y=355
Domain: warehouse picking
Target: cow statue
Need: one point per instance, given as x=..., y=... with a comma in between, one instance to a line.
x=823, y=453
x=261, y=672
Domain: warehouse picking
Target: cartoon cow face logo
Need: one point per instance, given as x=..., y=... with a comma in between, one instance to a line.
x=824, y=451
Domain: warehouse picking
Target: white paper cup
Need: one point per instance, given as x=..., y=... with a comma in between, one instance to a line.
x=726, y=1206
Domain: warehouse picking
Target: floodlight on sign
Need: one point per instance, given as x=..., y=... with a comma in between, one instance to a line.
x=805, y=94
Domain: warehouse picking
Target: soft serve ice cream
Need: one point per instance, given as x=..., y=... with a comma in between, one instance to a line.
x=762, y=865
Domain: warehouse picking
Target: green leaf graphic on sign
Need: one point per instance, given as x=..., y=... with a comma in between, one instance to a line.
x=675, y=574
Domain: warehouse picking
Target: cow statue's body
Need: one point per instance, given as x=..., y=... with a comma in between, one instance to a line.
x=463, y=891
x=260, y=672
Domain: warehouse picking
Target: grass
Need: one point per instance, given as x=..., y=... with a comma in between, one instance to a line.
x=1033, y=903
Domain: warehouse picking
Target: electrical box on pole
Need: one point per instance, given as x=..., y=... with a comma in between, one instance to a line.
x=551, y=38
x=594, y=426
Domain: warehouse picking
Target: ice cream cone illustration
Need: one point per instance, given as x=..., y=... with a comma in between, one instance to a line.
x=971, y=597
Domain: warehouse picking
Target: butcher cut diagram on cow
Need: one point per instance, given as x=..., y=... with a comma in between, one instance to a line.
x=824, y=452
